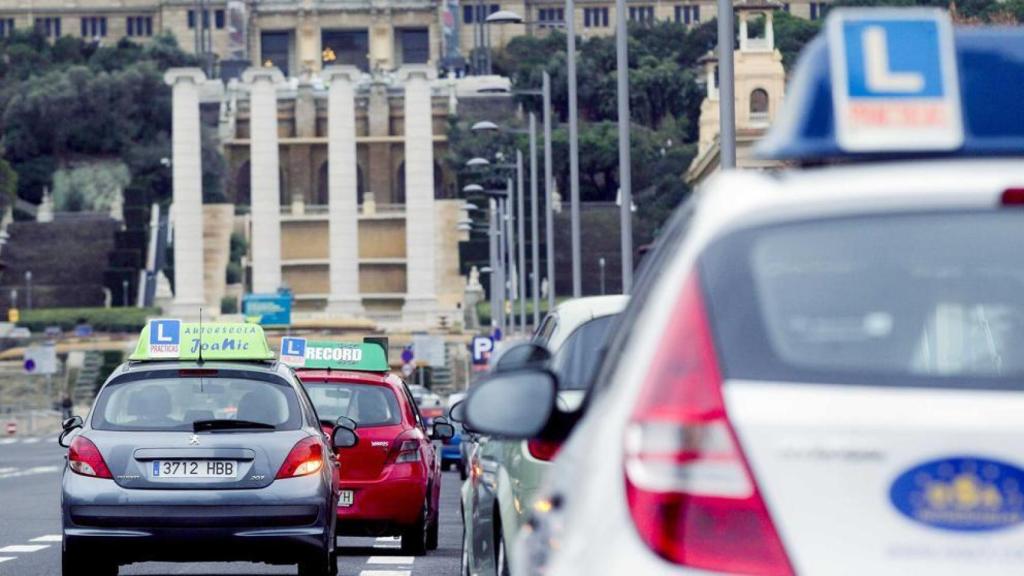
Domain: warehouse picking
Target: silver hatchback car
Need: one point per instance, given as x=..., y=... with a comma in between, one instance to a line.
x=191, y=460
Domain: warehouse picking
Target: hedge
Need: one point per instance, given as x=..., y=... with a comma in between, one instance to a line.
x=101, y=319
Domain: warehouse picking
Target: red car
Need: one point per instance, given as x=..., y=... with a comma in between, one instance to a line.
x=390, y=482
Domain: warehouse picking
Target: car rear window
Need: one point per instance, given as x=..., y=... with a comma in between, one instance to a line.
x=174, y=404
x=578, y=359
x=914, y=299
x=367, y=404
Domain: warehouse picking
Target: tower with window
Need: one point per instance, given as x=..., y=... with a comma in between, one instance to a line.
x=760, y=83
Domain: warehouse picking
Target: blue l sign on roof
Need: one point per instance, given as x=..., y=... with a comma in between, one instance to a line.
x=293, y=351
x=894, y=80
x=164, y=338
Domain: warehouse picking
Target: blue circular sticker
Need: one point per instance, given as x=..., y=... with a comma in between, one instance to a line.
x=962, y=493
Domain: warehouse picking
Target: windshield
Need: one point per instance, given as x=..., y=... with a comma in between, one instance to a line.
x=580, y=356
x=916, y=299
x=174, y=404
x=366, y=404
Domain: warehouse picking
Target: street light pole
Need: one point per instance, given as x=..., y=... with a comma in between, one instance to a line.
x=726, y=87
x=521, y=232
x=549, y=185
x=501, y=264
x=510, y=254
x=28, y=289
x=625, y=168
x=574, y=147
x=492, y=233
x=534, y=235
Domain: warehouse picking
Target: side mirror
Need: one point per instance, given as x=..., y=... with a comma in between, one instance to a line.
x=347, y=422
x=68, y=426
x=458, y=412
x=517, y=404
x=443, y=431
x=522, y=355
x=344, y=436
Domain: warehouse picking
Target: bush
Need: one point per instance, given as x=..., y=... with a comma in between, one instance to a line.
x=101, y=319
x=233, y=273
x=229, y=305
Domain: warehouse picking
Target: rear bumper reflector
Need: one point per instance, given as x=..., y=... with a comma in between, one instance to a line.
x=191, y=516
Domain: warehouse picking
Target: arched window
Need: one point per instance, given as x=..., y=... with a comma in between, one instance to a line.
x=759, y=104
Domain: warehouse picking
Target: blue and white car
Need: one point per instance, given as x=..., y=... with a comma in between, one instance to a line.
x=820, y=371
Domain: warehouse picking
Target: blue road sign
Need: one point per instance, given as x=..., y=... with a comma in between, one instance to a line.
x=894, y=80
x=482, y=347
x=268, y=309
x=407, y=355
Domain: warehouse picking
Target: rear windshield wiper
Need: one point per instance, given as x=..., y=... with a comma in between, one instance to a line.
x=223, y=424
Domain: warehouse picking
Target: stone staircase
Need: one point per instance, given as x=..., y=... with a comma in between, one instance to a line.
x=67, y=257
x=83, y=389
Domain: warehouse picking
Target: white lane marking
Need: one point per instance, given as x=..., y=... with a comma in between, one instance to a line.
x=385, y=573
x=31, y=440
x=22, y=548
x=389, y=539
x=30, y=471
x=8, y=441
x=5, y=558
x=48, y=538
x=391, y=560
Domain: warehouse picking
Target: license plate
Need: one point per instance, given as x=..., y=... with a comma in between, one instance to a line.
x=194, y=469
x=345, y=498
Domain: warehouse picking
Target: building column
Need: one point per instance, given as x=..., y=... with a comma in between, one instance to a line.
x=265, y=178
x=187, y=178
x=420, y=234
x=342, y=192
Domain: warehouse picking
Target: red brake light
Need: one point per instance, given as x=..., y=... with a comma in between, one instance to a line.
x=543, y=449
x=84, y=458
x=1013, y=197
x=691, y=494
x=406, y=448
x=306, y=458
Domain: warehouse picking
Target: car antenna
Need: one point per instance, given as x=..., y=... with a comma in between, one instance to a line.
x=200, y=361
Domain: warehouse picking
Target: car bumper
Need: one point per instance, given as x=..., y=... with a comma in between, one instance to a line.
x=451, y=454
x=285, y=522
x=382, y=506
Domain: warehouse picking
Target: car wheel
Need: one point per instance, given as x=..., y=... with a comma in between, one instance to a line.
x=414, y=538
x=465, y=558
x=72, y=564
x=432, y=532
x=501, y=557
x=326, y=565
x=463, y=471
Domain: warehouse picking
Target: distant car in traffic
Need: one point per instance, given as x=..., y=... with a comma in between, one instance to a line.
x=819, y=372
x=183, y=457
x=504, y=474
x=390, y=484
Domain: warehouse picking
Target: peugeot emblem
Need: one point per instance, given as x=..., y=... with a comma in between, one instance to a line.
x=194, y=440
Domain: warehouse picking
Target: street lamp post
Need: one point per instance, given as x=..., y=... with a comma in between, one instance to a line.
x=549, y=185
x=574, y=147
x=601, y=264
x=534, y=248
x=726, y=87
x=492, y=233
x=28, y=289
x=625, y=167
x=521, y=231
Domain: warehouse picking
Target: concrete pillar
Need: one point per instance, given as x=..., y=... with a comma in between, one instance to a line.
x=342, y=195
x=265, y=178
x=187, y=178
x=420, y=234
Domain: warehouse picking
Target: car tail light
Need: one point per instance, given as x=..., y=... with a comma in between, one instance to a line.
x=1013, y=197
x=691, y=494
x=543, y=449
x=406, y=448
x=306, y=457
x=84, y=458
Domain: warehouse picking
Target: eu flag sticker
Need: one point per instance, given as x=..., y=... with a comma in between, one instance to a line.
x=894, y=80
x=961, y=493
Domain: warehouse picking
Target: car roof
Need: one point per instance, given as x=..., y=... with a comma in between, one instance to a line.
x=737, y=199
x=321, y=376
x=578, y=311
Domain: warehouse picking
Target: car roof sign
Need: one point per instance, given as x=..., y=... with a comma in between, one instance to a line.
x=989, y=84
x=894, y=80
x=322, y=354
x=172, y=339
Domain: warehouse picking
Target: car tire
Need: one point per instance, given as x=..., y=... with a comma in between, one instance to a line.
x=321, y=567
x=433, y=530
x=463, y=471
x=414, y=538
x=72, y=564
x=501, y=557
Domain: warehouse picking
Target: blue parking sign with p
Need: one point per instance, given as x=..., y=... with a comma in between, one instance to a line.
x=894, y=80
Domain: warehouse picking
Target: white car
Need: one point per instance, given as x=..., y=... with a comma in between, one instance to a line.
x=820, y=372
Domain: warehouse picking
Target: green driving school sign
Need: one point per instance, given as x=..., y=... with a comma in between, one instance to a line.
x=314, y=354
x=169, y=339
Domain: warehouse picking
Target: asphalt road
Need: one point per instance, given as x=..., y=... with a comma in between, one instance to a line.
x=30, y=527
